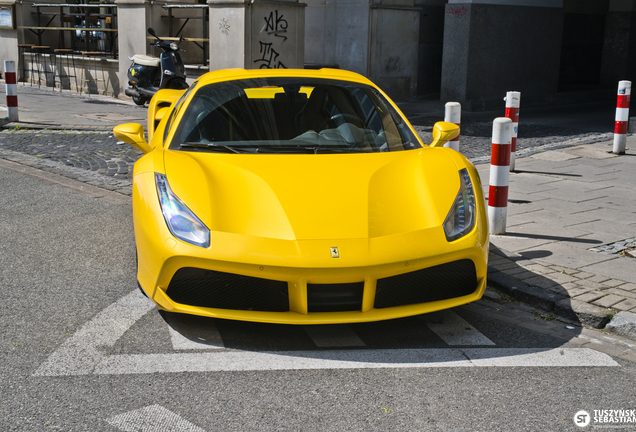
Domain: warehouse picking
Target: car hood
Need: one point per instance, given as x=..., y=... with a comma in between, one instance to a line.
x=324, y=196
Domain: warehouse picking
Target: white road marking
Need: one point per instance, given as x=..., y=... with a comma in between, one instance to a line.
x=153, y=418
x=82, y=353
x=79, y=354
x=454, y=330
x=351, y=359
x=180, y=342
x=332, y=336
x=533, y=357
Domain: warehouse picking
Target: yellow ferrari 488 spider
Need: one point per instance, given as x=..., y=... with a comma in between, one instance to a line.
x=302, y=197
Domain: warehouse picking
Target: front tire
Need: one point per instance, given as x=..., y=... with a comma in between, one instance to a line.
x=139, y=100
x=136, y=272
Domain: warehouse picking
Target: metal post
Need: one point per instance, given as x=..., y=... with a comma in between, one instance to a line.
x=453, y=114
x=11, y=88
x=61, y=31
x=499, y=173
x=40, y=31
x=513, y=101
x=169, y=22
x=622, y=116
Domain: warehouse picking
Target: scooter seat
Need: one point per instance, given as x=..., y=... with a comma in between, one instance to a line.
x=146, y=60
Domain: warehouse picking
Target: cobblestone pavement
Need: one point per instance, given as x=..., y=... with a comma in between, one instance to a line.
x=89, y=157
x=626, y=248
x=476, y=139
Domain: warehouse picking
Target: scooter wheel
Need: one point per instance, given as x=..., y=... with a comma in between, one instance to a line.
x=139, y=100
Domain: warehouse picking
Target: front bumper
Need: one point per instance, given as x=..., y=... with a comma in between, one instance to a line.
x=197, y=291
x=300, y=295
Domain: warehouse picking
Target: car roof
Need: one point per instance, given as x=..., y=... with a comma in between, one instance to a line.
x=325, y=73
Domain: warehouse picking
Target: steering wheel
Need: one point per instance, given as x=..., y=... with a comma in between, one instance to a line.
x=344, y=118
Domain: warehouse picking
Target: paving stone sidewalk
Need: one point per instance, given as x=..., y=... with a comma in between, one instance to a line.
x=43, y=108
x=570, y=232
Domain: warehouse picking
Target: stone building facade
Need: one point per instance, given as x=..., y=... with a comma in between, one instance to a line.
x=471, y=51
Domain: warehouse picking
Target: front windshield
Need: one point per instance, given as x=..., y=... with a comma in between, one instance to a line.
x=291, y=115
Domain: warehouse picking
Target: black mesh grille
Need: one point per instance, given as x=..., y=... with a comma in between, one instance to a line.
x=207, y=288
x=441, y=282
x=334, y=297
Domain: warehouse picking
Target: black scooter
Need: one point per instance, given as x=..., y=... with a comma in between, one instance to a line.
x=148, y=74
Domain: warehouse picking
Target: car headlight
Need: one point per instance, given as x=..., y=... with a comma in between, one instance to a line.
x=461, y=218
x=183, y=224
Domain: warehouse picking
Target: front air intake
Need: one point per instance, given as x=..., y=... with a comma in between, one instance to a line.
x=213, y=289
x=442, y=282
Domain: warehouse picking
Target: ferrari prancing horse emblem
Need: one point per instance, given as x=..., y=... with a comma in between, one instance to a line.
x=335, y=253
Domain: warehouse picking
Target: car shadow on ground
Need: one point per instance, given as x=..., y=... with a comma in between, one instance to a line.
x=494, y=323
x=515, y=276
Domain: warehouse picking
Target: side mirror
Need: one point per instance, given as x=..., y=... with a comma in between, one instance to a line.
x=133, y=134
x=151, y=32
x=443, y=132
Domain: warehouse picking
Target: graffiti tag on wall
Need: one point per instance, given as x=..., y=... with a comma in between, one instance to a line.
x=269, y=57
x=458, y=11
x=224, y=26
x=275, y=25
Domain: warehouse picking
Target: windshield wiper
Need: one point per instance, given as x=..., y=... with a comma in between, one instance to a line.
x=303, y=149
x=227, y=148
x=286, y=149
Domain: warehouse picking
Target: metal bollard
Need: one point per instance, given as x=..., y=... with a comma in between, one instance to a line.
x=499, y=174
x=622, y=116
x=453, y=114
x=11, y=88
x=513, y=102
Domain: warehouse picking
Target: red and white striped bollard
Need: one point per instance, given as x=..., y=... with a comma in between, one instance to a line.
x=622, y=116
x=11, y=88
x=499, y=175
x=513, y=102
x=453, y=114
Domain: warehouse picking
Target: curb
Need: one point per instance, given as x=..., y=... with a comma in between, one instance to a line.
x=23, y=125
x=594, y=316
x=623, y=324
x=566, y=307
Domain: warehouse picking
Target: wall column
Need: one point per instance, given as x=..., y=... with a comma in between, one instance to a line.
x=133, y=26
x=262, y=34
x=619, y=47
x=375, y=38
x=494, y=46
x=9, y=38
x=394, y=36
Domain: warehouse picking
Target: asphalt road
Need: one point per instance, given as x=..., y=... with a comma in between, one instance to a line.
x=82, y=350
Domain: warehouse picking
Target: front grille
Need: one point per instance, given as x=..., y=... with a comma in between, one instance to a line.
x=213, y=289
x=441, y=282
x=334, y=297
